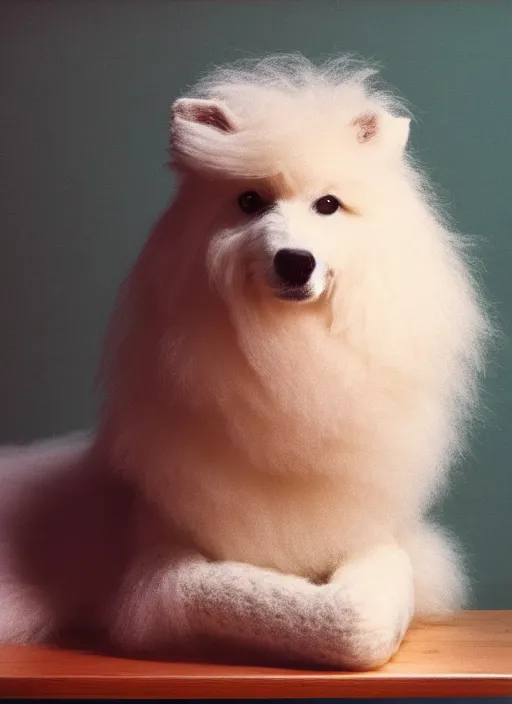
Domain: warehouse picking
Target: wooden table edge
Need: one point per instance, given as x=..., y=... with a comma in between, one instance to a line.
x=257, y=686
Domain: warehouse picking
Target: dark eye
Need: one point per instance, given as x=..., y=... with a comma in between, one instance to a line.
x=251, y=202
x=327, y=205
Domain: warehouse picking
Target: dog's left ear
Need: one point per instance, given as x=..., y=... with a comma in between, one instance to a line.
x=382, y=129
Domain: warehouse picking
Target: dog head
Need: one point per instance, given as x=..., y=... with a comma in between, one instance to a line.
x=290, y=173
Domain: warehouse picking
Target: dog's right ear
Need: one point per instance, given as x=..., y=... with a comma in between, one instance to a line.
x=208, y=113
x=207, y=137
x=200, y=130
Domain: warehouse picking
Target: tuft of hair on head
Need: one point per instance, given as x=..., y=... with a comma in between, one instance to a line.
x=236, y=117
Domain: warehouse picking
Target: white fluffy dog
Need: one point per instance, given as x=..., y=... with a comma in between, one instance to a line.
x=289, y=374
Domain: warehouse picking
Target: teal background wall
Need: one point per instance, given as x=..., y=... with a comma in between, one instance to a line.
x=84, y=95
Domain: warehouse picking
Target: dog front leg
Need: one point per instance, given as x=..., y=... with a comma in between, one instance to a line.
x=242, y=606
x=377, y=590
x=188, y=600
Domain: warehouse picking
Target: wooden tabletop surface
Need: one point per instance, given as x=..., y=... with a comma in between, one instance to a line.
x=470, y=657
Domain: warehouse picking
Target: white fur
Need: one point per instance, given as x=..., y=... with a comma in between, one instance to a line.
x=281, y=438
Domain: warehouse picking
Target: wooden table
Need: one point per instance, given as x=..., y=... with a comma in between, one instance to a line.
x=470, y=657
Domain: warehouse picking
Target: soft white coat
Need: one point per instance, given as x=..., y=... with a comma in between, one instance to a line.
x=263, y=467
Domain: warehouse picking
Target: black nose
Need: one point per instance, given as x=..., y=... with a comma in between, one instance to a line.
x=294, y=266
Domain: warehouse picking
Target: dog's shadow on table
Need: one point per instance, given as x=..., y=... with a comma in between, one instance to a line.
x=210, y=654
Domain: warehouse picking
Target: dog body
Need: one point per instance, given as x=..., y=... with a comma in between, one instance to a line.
x=288, y=376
